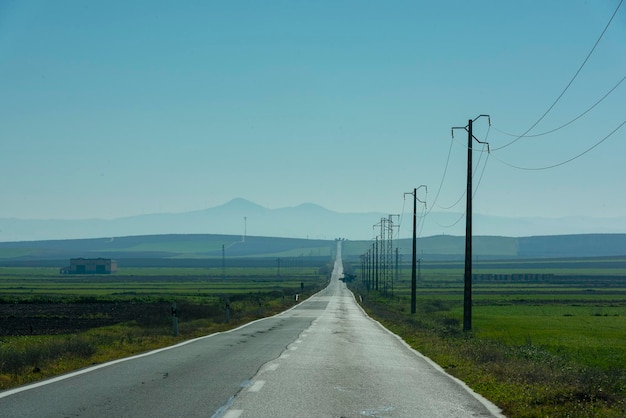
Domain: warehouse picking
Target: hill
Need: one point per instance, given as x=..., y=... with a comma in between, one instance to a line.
x=183, y=248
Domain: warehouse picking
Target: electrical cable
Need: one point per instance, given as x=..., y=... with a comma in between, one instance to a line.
x=454, y=204
x=481, y=176
x=465, y=191
x=568, y=123
x=566, y=161
x=485, y=144
x=482, y=152
x=568, y=84
x=473, y=196
x=445, y=170
x=401, y=216
x=422, y=217
x=454, y=224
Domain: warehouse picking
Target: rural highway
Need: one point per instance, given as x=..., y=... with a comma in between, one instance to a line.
x=323, y=358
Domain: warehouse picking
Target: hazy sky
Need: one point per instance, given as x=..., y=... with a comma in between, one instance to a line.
x=117, y=108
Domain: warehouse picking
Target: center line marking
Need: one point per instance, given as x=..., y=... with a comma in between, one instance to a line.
x=233, y=413
x=256, y=386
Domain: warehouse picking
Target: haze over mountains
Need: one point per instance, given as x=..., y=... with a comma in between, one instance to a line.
x=307, y=220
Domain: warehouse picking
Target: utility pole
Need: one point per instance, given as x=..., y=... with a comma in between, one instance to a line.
x=414, y=258
x=396, y=272
x=369, y=269
x=467, y=276
x=413, y=278
x=223, y=262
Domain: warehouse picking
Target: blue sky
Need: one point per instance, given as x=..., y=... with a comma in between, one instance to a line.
x=117, y=108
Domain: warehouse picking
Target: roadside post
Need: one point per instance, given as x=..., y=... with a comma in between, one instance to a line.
x=174, y=319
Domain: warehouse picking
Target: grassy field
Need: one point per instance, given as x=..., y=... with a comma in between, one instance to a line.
x=26, y=283
x=52, y=324
x=551, y=347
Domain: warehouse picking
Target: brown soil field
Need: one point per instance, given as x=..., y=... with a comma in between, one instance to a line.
x=68, y=318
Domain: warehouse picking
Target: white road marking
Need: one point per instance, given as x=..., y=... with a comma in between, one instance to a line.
x=10, y=392
x=234, y=413
x=293, y=348
x=256, y=386
x=273, y=367
x=285, y=355
x=298, y=341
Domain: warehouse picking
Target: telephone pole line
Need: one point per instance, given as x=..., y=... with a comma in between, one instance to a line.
x=467, y=277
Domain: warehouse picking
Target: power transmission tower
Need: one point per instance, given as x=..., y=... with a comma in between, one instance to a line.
x=389, y=250
x=381, y=270
x=384, y=253
x=376, y=264
x=467, y=277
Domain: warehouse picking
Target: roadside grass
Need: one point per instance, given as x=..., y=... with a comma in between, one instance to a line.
x=26, y=359
x=201, y=311
x=535, y=350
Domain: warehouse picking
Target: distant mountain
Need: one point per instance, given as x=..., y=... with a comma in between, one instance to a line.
x=307, y=220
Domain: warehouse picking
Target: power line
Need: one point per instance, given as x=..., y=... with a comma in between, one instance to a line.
x=445, y=170
x=568, y=84
x=473, y=174
x=455, y=222
x=566, y=161
x=422, y=217
x=401, y=215
x=473, y=195
x=568, y=123
x=475, y=170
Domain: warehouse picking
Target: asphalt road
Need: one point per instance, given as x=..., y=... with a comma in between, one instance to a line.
x=324, y=358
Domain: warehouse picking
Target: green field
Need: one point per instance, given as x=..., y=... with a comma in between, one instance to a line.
x=52, y=323
x=548, y=336
x=23, y=284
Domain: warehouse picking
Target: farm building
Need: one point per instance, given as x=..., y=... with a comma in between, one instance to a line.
x=90, y=266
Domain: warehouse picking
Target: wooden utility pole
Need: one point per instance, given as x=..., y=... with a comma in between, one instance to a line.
x=414, y=258
x=223, y=262
x=467, y=276
x=413, y=276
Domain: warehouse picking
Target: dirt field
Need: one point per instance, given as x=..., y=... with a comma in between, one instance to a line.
x=66, y=318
